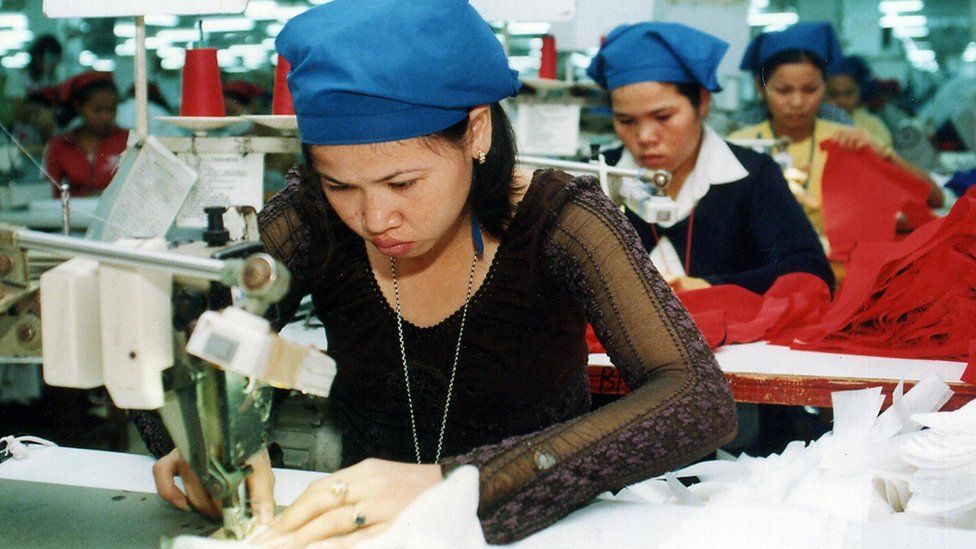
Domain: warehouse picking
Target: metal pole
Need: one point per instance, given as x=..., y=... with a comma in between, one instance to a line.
x=578, y=166
x=142, y=92
x=198, y=267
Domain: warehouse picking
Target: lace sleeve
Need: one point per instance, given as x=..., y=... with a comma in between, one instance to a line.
x=681, y=407
x=286, y=237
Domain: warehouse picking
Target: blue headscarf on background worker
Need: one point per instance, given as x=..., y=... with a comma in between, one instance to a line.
x=410, y=195
x=790, y=71
x=737, y=222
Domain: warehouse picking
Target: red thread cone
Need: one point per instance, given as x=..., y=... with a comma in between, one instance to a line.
x=547, y=67
x=281, y=104
x=202, y=93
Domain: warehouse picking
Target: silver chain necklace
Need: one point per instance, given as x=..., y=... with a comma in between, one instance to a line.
x=403, y=358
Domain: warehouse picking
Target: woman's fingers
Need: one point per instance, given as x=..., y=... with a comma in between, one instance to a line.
x=337, y=522
x=350, y=540
x=320, y=497
x=164, y=472
x=199, y=498
x=260, y=486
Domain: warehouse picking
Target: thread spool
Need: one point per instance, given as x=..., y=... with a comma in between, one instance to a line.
x=547, y=65
x=201, y=92
x=281, y=102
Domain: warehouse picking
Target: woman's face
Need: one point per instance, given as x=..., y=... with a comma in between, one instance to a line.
x=98, y=111
x=404, y=198
x=843, y=91
x=658, y=125
x=793, y=93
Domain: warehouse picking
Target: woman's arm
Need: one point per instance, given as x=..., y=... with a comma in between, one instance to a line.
x=285, y=237
x=680, y=409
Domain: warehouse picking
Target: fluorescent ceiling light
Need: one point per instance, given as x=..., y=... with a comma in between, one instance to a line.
x=919, y=56
x=273, y=29
x=891, y=21
x=86, y=58
x=162, y=20
x=261, y=10
x=174, y=36
x=227, y=24
x=124, y=30
x=104, y=65
x=171, y=63
x=900, y=6
x=13, y=20
x=910, y=32
x=14, y=38
x=18, y=60
x=523, y=28
x=772, y=18
x=969, y=55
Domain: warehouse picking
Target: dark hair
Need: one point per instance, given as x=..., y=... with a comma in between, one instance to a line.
x=43, y=43
x=790, y=56
x=691, y=90
x=80, y=96
x=490, y=187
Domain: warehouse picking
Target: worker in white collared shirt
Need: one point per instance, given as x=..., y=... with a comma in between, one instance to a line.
x=737, y=221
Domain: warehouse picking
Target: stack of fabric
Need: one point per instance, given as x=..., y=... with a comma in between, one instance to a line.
x=870, y=468
x=943, y=456
x=914, y=299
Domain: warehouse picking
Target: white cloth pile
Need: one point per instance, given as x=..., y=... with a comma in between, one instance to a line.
x=869, y=468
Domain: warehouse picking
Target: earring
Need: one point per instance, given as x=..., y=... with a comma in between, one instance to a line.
x=481, y=157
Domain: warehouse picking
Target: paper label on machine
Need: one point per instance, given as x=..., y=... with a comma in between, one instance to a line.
x=144, y=196
x=224, y=180
x=548, y=128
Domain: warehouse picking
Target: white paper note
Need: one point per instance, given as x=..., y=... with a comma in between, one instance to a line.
x=144, y=196
x=548, y=128
x=225, y=180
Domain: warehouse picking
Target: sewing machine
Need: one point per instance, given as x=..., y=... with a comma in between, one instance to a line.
x=643, y=190
x=178, y=331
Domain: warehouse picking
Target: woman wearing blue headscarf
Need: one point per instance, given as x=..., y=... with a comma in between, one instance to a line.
x=845, y=83
x=790, y=69
x=737, y=222
x=455, y=290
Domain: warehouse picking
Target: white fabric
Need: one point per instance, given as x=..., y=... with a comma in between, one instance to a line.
x=445, y=516
x=715, y=165
x=870, y=468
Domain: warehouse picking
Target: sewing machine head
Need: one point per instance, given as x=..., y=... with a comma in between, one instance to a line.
x=120, y=315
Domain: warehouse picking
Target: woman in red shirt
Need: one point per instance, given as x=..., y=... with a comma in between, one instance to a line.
x=87, y=156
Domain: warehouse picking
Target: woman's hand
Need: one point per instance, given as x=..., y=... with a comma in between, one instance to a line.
x=684, y=283
x=351, y=505
x=260, y=485
x=856, y=138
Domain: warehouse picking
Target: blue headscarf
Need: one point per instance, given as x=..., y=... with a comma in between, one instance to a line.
x=369, y=71
x=658, y=52
x=858, y=69
x=817, y=38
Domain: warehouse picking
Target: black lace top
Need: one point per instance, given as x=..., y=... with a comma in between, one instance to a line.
x=519, y=410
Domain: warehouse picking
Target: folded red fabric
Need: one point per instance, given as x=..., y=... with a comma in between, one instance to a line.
x=862, y=196
x=913, y=298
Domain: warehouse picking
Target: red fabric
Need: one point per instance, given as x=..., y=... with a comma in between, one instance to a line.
x=244, y=89
x=65, y=160
x=731, y=314
x=969, y=374
x=914, y=299
x=862, y=197
x=281, y=101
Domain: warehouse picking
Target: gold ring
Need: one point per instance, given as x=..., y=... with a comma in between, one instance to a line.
x=339, y=489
